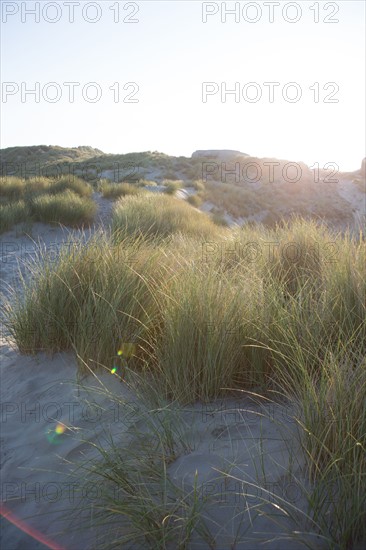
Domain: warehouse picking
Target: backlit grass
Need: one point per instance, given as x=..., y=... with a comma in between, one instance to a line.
x=65, y=200
x=66, y=208
x=118, y=190
x=158, y=215
x=211, y=310
x=12, y=213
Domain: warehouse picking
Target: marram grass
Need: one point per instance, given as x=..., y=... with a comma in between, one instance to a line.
x=65, y=200
x=158, y=215
x=211, y=310
x=118, y=190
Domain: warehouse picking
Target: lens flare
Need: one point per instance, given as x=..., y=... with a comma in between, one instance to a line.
x=127, y=349
x=54, y=436
x=60, y=428
x=31, y=531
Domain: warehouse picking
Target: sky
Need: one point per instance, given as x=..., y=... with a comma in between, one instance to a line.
x=157, y=76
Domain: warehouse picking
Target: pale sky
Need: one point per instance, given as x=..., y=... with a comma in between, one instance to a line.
x=169, y=52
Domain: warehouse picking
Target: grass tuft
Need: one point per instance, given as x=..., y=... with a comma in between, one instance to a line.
x=118, y=190
x=208, y=311
x=160, y=216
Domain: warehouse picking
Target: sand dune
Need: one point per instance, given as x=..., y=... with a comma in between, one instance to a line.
x=240, y=453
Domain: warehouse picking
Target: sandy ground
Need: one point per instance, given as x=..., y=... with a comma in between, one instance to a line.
x=185, y=192
x=231, y=221
x=251, y=441
x=357, y=200
x=345, y=188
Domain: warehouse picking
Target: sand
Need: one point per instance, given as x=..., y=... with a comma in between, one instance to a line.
x=344, y=189
x=255, y=443
x=353, y=194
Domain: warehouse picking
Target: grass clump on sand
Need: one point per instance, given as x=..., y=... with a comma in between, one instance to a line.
x=11, y=188
x=66, y=208
x=156, y=215
x=14, y=188
x=65, y=200
x=195, y=200
x=199, y=185
x=334, y=427
x=92, y=300
x=12, y=213
x=212, y=310
x=219, y=219
x=203, y=332
x=290, y=296
x=172, y=186
x=74, y=184
x=118, y=190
